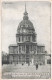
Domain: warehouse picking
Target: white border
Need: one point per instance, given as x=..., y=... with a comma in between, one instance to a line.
x=1, y=36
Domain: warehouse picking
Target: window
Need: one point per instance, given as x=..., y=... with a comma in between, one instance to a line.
x=23, y=47
x=31, y=48
x=19, y=48
x=24, y=25
x=33, y=38
x=19, y=39
x=11, y=50
x=17, y=51
x=26, y=37
x=34, y=48
x=22, y=38
x=29, y=38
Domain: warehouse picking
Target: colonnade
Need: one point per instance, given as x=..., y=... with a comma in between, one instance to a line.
x=22, y=49
x=23, y=38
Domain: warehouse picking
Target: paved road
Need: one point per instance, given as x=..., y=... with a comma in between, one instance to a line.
x=25, y=71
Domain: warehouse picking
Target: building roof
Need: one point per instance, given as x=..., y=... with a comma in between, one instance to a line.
x=40, y=45
x=40, y=54
x=25, y=23
x=27, y=42
x=14, y=45
x=48, y=54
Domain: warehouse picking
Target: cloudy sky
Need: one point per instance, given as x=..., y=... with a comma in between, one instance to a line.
x=12, y=14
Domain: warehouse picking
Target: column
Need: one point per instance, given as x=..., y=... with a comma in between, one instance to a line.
x=21, y=48
x=25, y=48
x=36, y=49
x=18, y=49
x=18, y=58
x=20, y=38
x=31, y=38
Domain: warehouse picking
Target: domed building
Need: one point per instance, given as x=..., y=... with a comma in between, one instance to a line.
x=26, y=51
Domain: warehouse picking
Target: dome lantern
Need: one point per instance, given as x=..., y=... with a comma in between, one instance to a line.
x=25, y=14
x=25, y=26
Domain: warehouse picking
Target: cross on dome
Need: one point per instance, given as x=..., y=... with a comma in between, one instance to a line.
x=26, y=23
x=25, y=14
x=25, y=7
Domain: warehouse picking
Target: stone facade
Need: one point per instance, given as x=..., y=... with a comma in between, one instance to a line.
x=26, y=49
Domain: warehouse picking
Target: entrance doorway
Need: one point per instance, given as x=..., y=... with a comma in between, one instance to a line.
x=27, y=48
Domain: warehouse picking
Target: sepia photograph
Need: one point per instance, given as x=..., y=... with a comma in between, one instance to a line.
x=26, y=40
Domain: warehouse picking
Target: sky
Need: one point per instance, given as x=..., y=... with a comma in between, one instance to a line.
x=38, y=13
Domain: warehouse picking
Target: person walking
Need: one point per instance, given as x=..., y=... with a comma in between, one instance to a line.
x=36, y=66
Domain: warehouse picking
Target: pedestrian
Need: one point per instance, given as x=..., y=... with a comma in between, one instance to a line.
x=36, y=66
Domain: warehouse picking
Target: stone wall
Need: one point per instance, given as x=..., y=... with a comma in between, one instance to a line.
x=39, y=59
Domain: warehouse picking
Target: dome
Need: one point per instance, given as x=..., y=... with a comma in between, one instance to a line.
x=25, y=24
